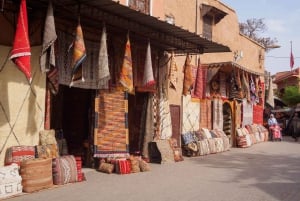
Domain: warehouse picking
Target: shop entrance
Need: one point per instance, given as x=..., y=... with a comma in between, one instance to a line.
x=72, y=112
x=228, y=122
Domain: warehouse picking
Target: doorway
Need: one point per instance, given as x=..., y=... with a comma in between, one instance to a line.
x=73, y=113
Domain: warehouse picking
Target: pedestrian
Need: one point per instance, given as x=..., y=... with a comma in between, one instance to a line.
x=296, y=126
x=274, y=129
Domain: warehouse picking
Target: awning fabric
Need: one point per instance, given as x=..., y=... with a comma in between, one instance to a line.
x=120, y=18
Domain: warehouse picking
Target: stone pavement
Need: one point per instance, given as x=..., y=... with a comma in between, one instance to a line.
x=268, y=171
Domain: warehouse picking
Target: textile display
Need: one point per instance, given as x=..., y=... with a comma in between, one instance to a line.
x=126, y=74
x=36, y=174
x=134, y=164
x=165, y=122
x=205, y=114
x=144, y=166
x=238, y=114
x=10, y=181
x=189, y=137
x=148, y=78
x=219, y=145
x=20, y=100
x=47, y=137
x=165, y=149
x=149, y=127
x=226, y=143
x=203, y=147
x=79, y=55
x=199, y=90
x=80, y=175
x=111, y=127
x=18, y=154
x=223, y=85
x=212, y=145
x=190, y=114
x=205, y=132
x=245, y=85
x=64, y=170
x=173, y=73
x=211, y=72
x=53, y=82
x=20, y=53
x=188, y=76
x=106, y=167
x=47, y=58
x=217, y=114
x=90, y=70
x=103, y=65
x=247, y=113
x=47, y=151
x=258, y=114
x=121, y=165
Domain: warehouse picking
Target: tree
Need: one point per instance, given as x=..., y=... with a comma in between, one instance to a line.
x=291, y=95
x=253, y=28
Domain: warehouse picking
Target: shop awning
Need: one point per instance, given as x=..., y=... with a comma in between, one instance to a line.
x=93, y=13
x=231, y=64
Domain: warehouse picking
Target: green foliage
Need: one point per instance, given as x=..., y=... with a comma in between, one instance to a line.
x=291, y=95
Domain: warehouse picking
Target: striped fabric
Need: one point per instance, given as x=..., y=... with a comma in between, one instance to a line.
x=79, y=55
x=64, y=170
x=18, y=154
x=111, y=127
x=205, y=114
x=217, y=114
x=36, y=174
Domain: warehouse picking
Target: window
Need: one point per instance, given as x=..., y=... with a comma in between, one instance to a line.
x=207, y=26
x=140, y=5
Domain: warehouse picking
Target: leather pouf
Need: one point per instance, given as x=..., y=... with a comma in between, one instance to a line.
x=36, y=174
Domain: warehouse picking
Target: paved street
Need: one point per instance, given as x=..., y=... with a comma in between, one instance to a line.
x=268, y=171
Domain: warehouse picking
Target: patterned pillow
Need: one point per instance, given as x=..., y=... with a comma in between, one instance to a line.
x=47, y=137
x=17, y=154
x=106, y=167
x=64, y=170
x=188, y=138
x=239, y=132
x=47, y=151
x=206, y=133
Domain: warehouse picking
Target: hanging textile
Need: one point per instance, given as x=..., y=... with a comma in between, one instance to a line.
x=149, y=127
x=217, y=113
x=148, y=78
x=20, y=53
x=89, y=72
x=223, y=91
x=111, y=128
x=173, y=73
x=126, y=75
x=47, y=58
x=165, y=126
x=205, y=114
x=247, y=113
x=79, y=55
x=238, y=114
x=188, y=76
x=103, y=73
x=270, y=95
x=200, y=81
x=211, y=72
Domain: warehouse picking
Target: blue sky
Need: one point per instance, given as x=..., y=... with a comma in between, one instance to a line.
x=283, y=23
